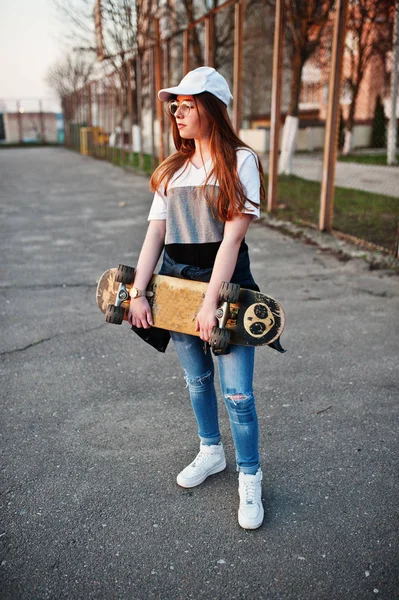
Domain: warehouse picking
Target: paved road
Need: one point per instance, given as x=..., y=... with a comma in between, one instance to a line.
x=95, y=424
x=370, y=178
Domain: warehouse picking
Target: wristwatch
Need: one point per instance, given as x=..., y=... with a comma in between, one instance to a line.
x=135, y=293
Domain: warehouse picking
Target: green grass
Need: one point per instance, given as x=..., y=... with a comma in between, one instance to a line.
x=366, y=159
x=125, y=159
x=5, y=146
x=365, y=215
x=369, y=216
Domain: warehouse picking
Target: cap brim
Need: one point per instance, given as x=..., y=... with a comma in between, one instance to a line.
x=170, y=93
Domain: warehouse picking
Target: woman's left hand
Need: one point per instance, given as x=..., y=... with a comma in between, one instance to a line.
x=206, y=319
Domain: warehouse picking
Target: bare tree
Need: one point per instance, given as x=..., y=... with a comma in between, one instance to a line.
x=70, y=74
x=77, y=18
x=369, y=35
x=258, y=58
x=118, y=26
x=306, y=21
x=183, y=12
x=190, y=13
x=186, y=11
x=126, y=30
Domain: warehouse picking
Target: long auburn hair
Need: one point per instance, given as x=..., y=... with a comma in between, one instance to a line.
x=228, y=199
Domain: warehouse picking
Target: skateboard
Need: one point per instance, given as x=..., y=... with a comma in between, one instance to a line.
x=245, y=317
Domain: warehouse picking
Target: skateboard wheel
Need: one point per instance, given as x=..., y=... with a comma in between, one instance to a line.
x=114, y=314
x=219, y=340
x=125, y=274
x=229, y=292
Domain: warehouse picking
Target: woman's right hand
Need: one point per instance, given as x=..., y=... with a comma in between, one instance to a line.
x=140, y=313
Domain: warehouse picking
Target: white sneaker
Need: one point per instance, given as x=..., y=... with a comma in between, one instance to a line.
x=209, y=460
x=250, y=512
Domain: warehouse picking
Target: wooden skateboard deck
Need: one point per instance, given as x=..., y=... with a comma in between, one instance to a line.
x=253, y=320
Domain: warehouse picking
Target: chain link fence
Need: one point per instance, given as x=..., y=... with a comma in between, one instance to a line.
x=32, y=121
x=117, y=117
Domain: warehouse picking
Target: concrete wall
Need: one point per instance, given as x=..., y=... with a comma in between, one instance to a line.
x=31, y=129
x=308, y=139
x=361, y=136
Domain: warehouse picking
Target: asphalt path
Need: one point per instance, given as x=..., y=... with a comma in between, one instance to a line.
x=95, y=424
x=377, y=179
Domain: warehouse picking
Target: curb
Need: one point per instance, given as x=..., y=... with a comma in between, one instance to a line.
x=343, y=246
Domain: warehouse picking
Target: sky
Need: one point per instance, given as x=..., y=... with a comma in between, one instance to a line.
x=30, y=34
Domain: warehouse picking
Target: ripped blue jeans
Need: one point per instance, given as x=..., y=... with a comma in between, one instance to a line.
x=235, y=374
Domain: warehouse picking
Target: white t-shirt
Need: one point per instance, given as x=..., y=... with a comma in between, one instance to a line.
x=193, y=234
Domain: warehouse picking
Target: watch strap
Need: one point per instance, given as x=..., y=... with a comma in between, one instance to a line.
x=140, y=293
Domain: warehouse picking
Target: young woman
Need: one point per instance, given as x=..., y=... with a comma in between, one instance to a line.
x=206, y=195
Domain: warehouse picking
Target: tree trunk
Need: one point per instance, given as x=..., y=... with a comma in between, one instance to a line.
x=348, y=144
x=297, y=63
x=193, y=33
x=290, y=129
x=197, y=49
x=392, y=130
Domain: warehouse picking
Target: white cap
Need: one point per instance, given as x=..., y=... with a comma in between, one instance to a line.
x=203, y=79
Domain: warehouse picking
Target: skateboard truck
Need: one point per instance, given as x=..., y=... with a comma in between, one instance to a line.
x=222, y=314
x=115, y=313
x=122, y=295
x=220, y=336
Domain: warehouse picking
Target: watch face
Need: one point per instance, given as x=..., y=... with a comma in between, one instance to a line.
x=134, y=293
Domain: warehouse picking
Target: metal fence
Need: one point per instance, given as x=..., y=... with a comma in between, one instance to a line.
x=119, y=118
x=121, y=110
x=30, y=121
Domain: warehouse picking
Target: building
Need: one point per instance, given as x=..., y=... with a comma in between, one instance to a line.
x=31, y=127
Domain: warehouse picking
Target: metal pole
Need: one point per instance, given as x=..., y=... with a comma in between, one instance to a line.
x=19, y=117
x=334, y=92
x=80, y=117
x=81, y=98
x=98, y=116
x=77, y=121
x=93, y=116
x=275, y=117
x=67, y=120
x=109, y=119
x=103, y=118
x=90, y=115
x=114, y=116
x=166, y=69
x=130, y=107
x=209, y=40
x=42, y=124
x=71, y=120
x=239, y=18
x=65, y=112
x=392, y=130
x=186, y=51
x=153, y=109
x=158, y=86
x=140, y=109
x=122, y=114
